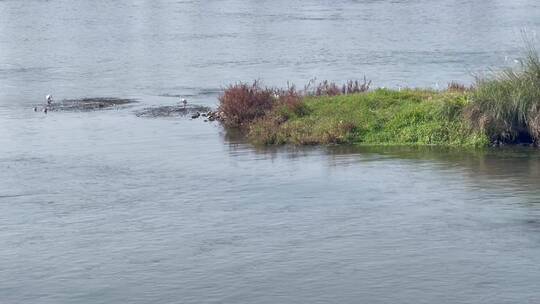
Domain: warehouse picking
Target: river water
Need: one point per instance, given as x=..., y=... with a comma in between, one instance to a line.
x=108, y=207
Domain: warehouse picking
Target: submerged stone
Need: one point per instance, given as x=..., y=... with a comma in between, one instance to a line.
x=89, y=104
x=172, y=111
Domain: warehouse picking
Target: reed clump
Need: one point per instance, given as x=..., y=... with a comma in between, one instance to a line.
x=328, y=88
x=506, y=105
x=455, y=86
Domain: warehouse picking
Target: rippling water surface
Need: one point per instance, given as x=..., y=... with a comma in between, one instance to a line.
x=108, y=207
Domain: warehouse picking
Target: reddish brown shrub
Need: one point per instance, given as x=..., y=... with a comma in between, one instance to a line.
x=242, y=103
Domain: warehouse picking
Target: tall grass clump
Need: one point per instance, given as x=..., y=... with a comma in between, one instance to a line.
x=506, y=105
x=458, y=87
x=328, y=88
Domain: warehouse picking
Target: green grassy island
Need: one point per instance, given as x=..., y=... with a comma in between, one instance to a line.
x=501, y=109
x=381, y=117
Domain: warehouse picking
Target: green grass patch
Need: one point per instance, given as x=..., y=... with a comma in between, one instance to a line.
x=380, y=117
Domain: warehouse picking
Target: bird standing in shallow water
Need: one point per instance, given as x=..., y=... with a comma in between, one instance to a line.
x=183, y=101
x=49, y=99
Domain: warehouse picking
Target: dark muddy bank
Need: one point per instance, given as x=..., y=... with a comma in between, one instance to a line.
x=191, y=111
x=89, y=104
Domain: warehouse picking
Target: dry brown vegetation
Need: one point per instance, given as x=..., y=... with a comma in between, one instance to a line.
x=242, y=103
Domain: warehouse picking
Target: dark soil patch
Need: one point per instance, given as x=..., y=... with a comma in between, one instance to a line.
x=173, y=111
x=89, y=104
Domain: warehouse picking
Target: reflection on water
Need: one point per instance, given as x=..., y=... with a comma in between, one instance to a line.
x=501, y=163
x=517, y=167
